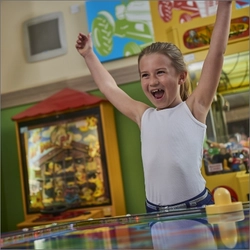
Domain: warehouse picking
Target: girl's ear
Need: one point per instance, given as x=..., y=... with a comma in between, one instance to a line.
x=182, y=77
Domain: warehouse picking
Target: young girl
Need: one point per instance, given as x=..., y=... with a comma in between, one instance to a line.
x=173, y=132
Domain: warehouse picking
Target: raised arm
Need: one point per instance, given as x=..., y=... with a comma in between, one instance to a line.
x=200, y=100
x=106, y=83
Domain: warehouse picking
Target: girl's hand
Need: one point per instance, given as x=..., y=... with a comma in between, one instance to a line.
x=84, y=44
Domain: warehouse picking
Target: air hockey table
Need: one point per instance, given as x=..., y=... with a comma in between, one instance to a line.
x=178, y=229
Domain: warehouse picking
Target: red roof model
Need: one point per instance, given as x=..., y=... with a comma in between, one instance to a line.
x=62, y=101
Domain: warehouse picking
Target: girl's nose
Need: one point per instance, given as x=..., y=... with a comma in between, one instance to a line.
x=154, y=81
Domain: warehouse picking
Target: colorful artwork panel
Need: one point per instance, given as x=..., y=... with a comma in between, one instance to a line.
x=119, y=28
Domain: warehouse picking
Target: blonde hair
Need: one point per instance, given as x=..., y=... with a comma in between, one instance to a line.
x=176, y=57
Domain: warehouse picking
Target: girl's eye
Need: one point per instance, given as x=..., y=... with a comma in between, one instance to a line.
x=144, y=75
x=160, y=72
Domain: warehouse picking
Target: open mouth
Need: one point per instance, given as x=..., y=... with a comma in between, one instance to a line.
x=157, y=93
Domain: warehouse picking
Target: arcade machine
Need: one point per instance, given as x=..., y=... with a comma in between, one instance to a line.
x=69, y=159
x=189, y=25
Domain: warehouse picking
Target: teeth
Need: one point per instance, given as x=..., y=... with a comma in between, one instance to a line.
x=157, y=93
x=155, y=90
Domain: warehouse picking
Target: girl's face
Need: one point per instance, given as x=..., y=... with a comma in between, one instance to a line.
x=160, y=81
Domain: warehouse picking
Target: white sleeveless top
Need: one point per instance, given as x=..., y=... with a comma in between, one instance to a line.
x=172, y=149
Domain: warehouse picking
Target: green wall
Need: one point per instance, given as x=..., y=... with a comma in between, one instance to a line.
x=11, y=196
x=129, y=147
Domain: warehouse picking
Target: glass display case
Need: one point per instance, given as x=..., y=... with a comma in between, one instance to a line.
x=226, y=148
x=65, y=161
x=69, y=157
